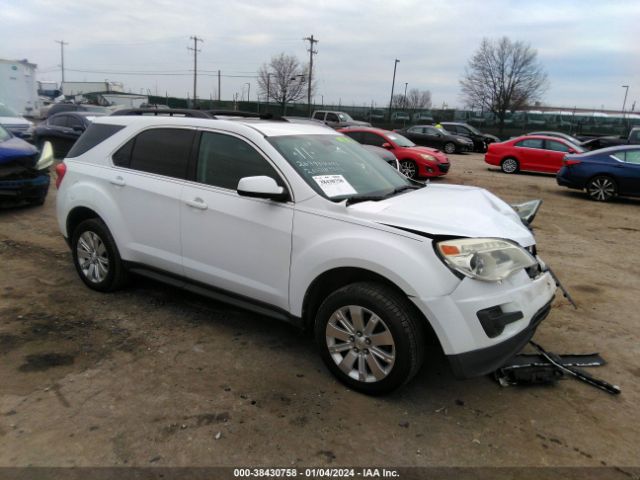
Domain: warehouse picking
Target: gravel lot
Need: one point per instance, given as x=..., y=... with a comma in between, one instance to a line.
x=155, y=376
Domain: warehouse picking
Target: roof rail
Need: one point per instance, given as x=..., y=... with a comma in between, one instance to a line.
x=169, y=112
x=240, y=113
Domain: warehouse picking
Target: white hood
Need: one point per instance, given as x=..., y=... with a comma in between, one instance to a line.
x=448, y=210
x=16, y=121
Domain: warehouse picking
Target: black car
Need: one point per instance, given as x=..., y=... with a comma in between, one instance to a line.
x=75, y=107
x=480, y=140
x=430, y=136
x=62, y=130
x=567, y=137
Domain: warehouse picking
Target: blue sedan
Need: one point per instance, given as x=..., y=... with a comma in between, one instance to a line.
x=24, y=171
x=603, y=173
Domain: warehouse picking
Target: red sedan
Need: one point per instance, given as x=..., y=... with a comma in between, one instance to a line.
x=414, y=161
x=536, y=153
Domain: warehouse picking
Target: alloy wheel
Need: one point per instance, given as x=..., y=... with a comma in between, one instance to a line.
x=408, y=168
x=509, y=165
x=449, y=148
x=93, y=258
x=360, y=343
x=601, y=189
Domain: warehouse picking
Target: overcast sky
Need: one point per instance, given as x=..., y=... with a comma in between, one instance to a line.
x=589, y=48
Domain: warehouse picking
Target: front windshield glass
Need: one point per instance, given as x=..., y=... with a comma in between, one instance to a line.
x=473, y=130
x=338, y=167
x=8, y=112
x=344, y=117
x=4, y=135
x=400, y=140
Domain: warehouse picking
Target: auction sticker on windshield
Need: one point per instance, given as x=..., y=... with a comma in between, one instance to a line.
x=334, y=185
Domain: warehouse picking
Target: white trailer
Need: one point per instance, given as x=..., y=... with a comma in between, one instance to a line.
x=18, y=87
x=71, y=89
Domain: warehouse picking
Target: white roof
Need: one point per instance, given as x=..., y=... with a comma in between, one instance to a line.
x=267, y=128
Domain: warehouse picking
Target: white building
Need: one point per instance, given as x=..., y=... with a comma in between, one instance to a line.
x=18, y=87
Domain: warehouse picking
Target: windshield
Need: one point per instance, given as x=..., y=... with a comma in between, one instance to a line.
x=577, y=148
x=4, y=135
x=337, y=167
x=400, y=140
x=8, y=112
x=473, y=130
x=344, y=117
x=90, y=108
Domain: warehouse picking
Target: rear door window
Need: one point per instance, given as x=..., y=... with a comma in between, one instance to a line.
x=531, y=143
x=318, y=115
x=556, y=146
x=163, y=151
x=332, y=117
x=369, y=138
x=58, y=121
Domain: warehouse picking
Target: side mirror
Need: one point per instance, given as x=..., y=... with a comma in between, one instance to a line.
x=386, y=145
x=261, y=187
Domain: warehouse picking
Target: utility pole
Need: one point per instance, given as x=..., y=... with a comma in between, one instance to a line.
x=195, y=66
x=248, y=84
x=311, y=51
x=624, y=103
x=405, y=95
x=219, y=86
x=393, y=84
x=62, y=44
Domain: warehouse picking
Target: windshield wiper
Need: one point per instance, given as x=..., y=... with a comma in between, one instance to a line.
x=374, y=198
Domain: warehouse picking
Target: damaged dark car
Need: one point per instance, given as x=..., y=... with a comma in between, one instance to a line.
x=24, y=170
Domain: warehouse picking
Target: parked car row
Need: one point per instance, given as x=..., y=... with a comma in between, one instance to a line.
x=603, y=173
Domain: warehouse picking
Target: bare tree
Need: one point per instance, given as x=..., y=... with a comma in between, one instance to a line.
x=283, y=80
x=415, y=99
x=503, y=75
x=418, y=99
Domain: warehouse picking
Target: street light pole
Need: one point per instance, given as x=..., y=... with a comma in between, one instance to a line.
x=248, y=84
x=405, y=94
x=393, y=84
x=624, y=103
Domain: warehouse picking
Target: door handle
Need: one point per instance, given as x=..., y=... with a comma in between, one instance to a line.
x=197, y=203
x=118, y=181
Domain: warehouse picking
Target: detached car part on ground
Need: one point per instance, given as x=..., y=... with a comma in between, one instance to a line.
x=24, y=170
x=302, y=224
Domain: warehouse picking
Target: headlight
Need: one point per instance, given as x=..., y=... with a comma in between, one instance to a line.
x=487, y=259
x=426, y=156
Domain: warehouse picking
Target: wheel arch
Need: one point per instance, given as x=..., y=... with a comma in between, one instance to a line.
x=336, y=278
x=78, y=215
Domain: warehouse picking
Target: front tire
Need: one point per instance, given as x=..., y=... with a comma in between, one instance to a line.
x=510, y=165
x=409, y=169
x=96, y=257
x=602, y=188
x=449, y=147
x=369, y=337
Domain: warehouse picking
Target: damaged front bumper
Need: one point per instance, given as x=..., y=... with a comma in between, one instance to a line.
x=27, y=178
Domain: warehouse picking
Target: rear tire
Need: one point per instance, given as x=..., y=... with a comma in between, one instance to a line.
x=602, y=188
x=96, y=257
x=510, y=165
x=369, y=337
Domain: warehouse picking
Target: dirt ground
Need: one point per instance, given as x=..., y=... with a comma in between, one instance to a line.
x=151, y=376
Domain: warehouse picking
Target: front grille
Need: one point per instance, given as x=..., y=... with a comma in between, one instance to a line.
x=444, y=167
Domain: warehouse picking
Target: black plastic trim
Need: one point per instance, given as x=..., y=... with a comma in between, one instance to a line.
x=486, y=360
x=214, y=293
x=493, y=320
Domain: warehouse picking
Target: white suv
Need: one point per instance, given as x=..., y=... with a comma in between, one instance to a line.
x=300, y=223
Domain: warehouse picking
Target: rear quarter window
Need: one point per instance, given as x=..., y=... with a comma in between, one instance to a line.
x=94, y=135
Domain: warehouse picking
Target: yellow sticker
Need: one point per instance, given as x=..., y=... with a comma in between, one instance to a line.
x=345, y=139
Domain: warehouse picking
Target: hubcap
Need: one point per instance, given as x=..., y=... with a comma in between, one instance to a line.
x=449, y=148
x=360, y=343
x=510, y=165
x=602, y=189
x=408, y=169
x=92, y=257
